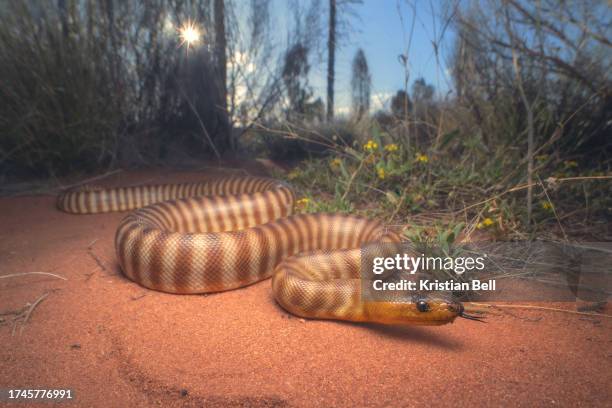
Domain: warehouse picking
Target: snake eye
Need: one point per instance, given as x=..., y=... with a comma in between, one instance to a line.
x=422, y=306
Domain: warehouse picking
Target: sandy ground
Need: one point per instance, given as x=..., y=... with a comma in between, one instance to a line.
x=117, y=344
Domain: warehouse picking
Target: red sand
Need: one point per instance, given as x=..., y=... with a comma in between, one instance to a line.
x=117, y=344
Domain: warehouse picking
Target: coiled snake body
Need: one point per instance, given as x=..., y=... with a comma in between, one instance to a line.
x=234, y=231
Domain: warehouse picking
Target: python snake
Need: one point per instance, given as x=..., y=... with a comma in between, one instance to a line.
x=233, y=231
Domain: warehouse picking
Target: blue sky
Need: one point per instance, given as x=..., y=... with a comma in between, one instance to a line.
x=378, y=30
x=383, y=35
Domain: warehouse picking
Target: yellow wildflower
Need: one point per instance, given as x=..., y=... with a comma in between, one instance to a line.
x=546, y=205
x=336, y=162
x=422, y=158
x=487, y=222
x=370, y=146
x=293, y=174
x=391, y=147
x=381, y=173
x=303, y=201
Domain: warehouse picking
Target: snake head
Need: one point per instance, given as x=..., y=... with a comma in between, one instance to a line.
x=442, y=310
x=423, y=310
x=433, y=310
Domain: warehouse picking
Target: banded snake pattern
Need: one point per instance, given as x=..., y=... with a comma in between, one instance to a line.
x=233, y=231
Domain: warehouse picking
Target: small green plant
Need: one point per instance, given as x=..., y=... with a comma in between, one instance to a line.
x=381, y=175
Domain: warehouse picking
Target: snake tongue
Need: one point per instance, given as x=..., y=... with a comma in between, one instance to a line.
x=472, y=317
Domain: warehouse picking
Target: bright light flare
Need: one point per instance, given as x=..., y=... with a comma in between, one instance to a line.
x=189, y=34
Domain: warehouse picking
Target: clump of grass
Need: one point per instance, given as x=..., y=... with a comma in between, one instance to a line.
x=89, y=86
x=59, y=112
x=380, y=175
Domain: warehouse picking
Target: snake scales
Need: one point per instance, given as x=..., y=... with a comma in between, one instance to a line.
x=234, y=231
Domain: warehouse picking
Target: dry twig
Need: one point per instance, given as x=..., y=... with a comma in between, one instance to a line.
x=550, y=309
x=89, y=180
x=14, y=275
x=31, y=309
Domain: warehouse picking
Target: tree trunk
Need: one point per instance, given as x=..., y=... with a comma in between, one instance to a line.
x=63, y=12
x=530, y=117
x=331, y=59
x=223, y=131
